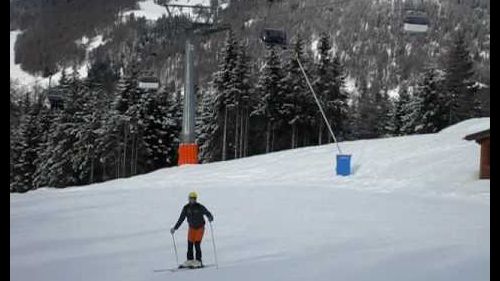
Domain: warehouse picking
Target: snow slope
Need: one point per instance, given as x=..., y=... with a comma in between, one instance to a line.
x=413, y=210
x=16, y=72
x=148, y=9
x=152, y=11
x=26, y=80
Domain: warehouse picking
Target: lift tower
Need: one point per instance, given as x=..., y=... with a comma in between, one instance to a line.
x=200, y=25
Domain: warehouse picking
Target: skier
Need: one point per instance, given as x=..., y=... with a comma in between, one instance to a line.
x=194, y=212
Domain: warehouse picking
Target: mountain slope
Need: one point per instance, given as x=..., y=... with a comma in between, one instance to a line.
x=367, y=35
x=412, y=210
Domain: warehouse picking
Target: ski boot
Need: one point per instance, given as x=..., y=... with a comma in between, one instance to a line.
x=187, y=264
x=196, y=264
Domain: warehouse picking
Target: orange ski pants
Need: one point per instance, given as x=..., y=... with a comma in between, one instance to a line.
x=195, y=234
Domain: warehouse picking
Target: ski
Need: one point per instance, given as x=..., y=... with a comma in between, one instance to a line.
x=182, y=268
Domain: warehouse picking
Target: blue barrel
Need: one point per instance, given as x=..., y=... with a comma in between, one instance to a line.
x=343, y=164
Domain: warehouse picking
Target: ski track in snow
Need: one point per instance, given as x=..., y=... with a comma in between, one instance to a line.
x=413, y=210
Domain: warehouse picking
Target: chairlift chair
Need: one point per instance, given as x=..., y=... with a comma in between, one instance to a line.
x=416, y=20
x=55, y=100
x=149, y=83
x=274, y=37
x=416, y=23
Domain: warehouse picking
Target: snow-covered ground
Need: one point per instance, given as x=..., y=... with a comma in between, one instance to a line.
x=148, y=9
x=91, y=44
x=152, y=11
x=394, y=93
x=16, y=73
x=27, y=81
x=413, y=210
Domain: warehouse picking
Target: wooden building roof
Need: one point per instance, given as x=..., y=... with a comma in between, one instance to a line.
x=478, y=136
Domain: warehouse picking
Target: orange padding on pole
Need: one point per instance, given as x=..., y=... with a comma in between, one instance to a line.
x=188, y=153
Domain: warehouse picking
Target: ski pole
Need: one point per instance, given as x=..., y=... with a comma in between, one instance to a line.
x=175, y=249
x=213, y=242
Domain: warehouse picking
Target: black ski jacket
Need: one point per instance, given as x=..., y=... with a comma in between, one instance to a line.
x=194, y=213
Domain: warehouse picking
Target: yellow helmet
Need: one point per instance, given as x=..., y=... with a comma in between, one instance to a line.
x=193, y=195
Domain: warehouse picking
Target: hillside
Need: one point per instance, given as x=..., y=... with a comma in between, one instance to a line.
x=367, y=35
x=413, y=210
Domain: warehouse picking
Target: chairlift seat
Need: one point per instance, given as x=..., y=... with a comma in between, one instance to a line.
x=55, y=100
x=149, y=82
x=274, y=37
x=417, y=19
x=416, y=23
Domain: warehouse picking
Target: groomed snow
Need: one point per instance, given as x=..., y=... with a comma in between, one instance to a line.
x=413, y=210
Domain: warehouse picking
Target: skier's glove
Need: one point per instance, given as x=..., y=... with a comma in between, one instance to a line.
x=210, y=219
x=172, y=230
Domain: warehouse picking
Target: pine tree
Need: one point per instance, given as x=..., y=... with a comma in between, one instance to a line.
x=110, y=145
x=15, y=110
x=329, y=83
x=433, y=114
x=400, y=111
x=161, y=131
x=271, y=96
x=366, y=114
x=227, y=94
x=209, y=131
x=245, y=101
x=101, y=72
x=86, y=144
x=458, y=81
x=15, y=115
x=383, y=125
x=123, y=133
x=25, y=147
x=58, y=165
x=299, y=108
x=339, y=101
x=46, y=119
x=410, y=115
x=390, y=126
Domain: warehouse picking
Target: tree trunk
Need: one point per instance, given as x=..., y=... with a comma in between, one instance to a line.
x=136, y=153
x=117, y=164
x=305, y=143
x=268, y=137
x=242, y=128
x=104, y=176
x=132, y=153
x=124, y=161
x=272, y=139
x=245, y=152
x=294, y=129
x=136, y=157
x=224, y=137
x=236, y=134
x=297, y=136
x=330, y=138
x=92, y=170
x=320, y=133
